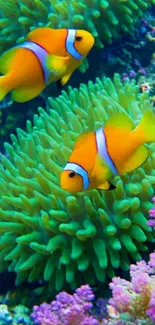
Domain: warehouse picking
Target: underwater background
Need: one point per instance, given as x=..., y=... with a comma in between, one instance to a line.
x=77, y=258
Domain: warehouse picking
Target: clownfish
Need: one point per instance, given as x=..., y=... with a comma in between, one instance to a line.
x=115, y=149
x=45, y=56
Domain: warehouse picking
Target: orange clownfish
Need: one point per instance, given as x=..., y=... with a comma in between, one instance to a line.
x=116, y=149
x=47, y=55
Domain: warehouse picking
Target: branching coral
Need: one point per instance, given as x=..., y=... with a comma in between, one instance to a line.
x=137, y=298
x=46, y=233
x=105, y=19
x=15, y=316
x=67, y=309
x=151, y=222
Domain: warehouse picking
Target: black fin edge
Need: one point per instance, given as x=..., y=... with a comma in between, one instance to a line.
x=112, y=187
x=59, y=83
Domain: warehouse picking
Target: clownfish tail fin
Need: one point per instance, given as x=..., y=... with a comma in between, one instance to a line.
x=4, y=87
x=147, y=126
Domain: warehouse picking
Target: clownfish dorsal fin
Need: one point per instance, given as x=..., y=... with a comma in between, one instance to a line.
x=57, y=65
x=120, y=120
x=82, y=139
x=38, y=33
x=106, y=186
x=137, y=159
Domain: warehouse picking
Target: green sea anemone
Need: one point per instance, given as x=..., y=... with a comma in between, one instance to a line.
x=105, y=19
x=47, y=233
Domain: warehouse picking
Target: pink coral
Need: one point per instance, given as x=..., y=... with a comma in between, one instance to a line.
x=121, y=294
x=151, y=311
x=151, y=263
x=151, y=222
x=137, y=298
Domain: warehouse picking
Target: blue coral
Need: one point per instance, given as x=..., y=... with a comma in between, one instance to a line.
x=14, y=316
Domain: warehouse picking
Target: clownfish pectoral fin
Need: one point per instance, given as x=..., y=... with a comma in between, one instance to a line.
x=22, y=95
x=106, y=186
x=61, y=82
x=120, y=120
x=137, y=159
x=57, y=65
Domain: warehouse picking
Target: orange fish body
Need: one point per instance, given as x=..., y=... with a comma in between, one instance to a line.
x=116, y=149
x=47, y=55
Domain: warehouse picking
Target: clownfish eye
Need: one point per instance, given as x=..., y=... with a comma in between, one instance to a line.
x=72, y=174
x=78, y=38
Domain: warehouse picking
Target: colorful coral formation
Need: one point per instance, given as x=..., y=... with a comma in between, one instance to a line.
x=46, y=233
x=80, y=308
x=136, y=298
x=151, y=221
x=67, y=309
x=15, y=316
x=105, y=19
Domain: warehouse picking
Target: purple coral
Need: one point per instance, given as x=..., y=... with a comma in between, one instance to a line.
x=151, y=263
x=67, y=309
x=151, y=222
x=151, y=311
x=122, y=298
x=137, y=298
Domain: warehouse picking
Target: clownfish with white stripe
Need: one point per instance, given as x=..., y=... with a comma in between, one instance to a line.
x=47, y=55
x=116, y=149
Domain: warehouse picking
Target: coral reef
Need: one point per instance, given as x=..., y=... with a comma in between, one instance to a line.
x=47, y=233
x=105, y=19
x=4, y=315
x=127, y=322
x=18, y=315
x=136, y=298
x=80, y=308
x=129, y=55
x=67, y=309
x=151, y=221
